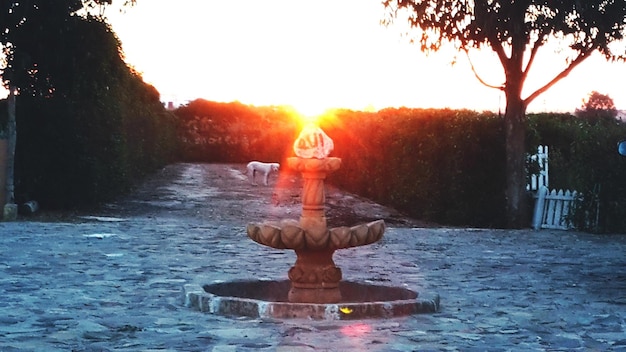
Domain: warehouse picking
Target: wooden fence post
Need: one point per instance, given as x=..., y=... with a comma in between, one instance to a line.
x=539, y=207
x=542, y=177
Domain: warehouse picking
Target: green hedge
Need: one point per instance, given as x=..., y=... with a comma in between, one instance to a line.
x=234, y=132
x=444, y=166
x=72, y=155
x=101, y=130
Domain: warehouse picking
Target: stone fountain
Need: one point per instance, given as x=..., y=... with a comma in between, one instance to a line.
x=314, y=277
x=315, y=288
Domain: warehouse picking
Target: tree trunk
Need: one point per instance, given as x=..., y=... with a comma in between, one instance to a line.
x=515, y=133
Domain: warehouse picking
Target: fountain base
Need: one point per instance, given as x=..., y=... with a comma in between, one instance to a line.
x=269, y=299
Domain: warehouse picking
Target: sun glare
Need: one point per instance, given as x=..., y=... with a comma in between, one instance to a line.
x=309, y=114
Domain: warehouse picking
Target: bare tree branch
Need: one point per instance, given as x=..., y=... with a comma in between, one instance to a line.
x=500, y=87
x=499, y=49
x=580, y=58
x=533, y=53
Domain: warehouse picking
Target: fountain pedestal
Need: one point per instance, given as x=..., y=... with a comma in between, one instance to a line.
x=314, y=277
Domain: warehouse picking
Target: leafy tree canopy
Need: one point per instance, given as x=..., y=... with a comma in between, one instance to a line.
x=597, y=106
x=28, y=29
x=515, y=31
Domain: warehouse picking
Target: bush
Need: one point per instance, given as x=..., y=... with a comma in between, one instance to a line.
x=233, y=132
x=436, y=165
x=97, y=133
x=444, y=166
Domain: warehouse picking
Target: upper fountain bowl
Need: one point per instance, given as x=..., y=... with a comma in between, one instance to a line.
x=287, y=234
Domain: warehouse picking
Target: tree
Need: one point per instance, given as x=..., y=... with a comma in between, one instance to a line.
x=32, y=32
x=597, y=107
x=516, y=31
x=27, y=30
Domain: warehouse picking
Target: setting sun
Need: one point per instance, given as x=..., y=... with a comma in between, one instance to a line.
x=327, y=54
x=307, y=114
x=314, y=117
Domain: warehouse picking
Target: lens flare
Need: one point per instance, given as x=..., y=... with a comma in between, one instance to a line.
x=309, y=115
x=356, y=330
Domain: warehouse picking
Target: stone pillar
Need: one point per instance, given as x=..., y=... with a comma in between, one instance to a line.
x=314, y=277
x=313, y=218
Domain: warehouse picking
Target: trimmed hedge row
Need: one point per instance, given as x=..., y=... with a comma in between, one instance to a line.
x=444, y=166
x=100, y=131
x=73, y=155
x=233, y=132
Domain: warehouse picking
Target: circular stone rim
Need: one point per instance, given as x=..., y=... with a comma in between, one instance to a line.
x=198, y=297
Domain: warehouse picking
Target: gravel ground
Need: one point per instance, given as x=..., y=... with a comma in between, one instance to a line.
x=110, y=280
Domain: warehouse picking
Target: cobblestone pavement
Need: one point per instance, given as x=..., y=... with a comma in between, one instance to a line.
x=114, y=284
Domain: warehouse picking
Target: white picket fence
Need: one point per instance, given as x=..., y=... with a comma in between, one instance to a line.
x=552, y=209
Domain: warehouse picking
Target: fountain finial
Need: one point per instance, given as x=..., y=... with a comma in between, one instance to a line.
x=313, y=142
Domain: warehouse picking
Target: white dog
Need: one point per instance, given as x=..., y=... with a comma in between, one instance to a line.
x=264, y=168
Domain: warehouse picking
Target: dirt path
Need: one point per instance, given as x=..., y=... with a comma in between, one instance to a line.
x=222, y=192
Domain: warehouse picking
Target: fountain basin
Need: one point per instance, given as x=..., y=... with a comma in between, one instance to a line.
x=268, y=299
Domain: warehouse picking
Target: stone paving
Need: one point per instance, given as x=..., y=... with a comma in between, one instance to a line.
x=115, y=284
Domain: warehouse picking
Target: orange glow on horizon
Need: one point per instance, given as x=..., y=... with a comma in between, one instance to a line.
x=314, y=58
x=310, y=115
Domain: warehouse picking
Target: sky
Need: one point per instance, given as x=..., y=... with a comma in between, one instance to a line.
x=322, y=54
